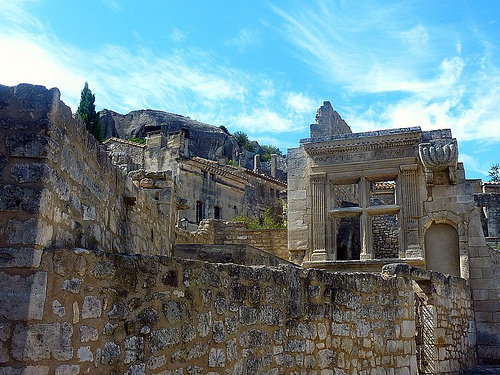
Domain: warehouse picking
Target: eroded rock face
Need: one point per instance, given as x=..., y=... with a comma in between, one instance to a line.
x=204, y=140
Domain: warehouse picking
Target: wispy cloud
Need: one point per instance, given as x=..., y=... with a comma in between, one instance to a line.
x=413, y=75
x=113, y=5
x=243, y=40
x=177, y=36
x=185, y=81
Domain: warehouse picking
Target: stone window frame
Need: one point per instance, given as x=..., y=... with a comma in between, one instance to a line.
x=365, y=211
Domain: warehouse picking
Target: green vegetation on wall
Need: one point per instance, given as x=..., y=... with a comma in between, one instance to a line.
x=265, y=222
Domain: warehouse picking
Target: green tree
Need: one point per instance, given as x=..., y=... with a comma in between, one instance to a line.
x=87, y=112
x=266, y=151
x=494, y=173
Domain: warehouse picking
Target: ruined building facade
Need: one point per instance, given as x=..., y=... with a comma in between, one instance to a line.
x=201, y=188
x=89, y=283
x=358, y=201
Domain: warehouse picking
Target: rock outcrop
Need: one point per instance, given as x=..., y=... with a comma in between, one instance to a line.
x=205, y=140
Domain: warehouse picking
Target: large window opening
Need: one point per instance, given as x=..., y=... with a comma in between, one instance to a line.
x=365, y=219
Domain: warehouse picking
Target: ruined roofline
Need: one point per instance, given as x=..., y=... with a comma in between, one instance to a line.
x=225, y=170
x=124, y=141
x=214, y=167
x=266, y=177
x=369, y=134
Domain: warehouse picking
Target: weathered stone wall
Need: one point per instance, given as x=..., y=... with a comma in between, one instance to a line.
x=455, y=334
x=385, y=231
x=83, y=311
x=485, y=285
x=137, y=314
x=58, y=187
x=220, y=232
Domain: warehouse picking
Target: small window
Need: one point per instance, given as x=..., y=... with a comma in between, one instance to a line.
x=204, y=174
x=217, y=212
x=212, y=177
x=199, y=211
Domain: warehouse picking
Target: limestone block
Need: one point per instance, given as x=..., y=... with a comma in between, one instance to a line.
x=58, y=309
x=20, y=257
x=134, y=349
x=156, y=362
x=204, y=323
x=27, y=370
x=216, y=358
x=163, y=338
x=22, y=297
x=32, y=146
x=68, y=370
x=219, y=331
x=16, y=198
x=110, y=353
x=72, y=166
x=231, y=350
x=72, y=285
x=92, y=307
x=139, y=369
x=29, y=232
x=88, y=333
x=247, y=315
x=271, y=316
x=42, y=341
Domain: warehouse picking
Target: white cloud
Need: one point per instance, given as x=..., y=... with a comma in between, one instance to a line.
x=413, y=77
x=263, y=118
x=300, y=103
x=177, y=36
x=243, y=40
x=417, y=39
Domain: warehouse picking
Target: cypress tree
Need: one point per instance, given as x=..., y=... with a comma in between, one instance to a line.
x=87, y=112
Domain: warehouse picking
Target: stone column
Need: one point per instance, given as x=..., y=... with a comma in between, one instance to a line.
x=411, y=211
x=318, y=216
x=365, y=220
x=274, y=164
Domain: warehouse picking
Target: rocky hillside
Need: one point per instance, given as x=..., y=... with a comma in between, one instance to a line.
x=205, y=140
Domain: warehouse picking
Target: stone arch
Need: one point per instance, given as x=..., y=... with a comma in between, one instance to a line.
x=442, y=248
x=460, y=225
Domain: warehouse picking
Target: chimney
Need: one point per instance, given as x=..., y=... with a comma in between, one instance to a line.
x=274, y=164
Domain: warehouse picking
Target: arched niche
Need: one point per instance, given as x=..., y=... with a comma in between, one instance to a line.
x=442, y=252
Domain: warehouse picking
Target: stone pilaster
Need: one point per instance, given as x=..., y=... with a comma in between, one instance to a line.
x=365, y=220
x=411, y=211
x=318, y=181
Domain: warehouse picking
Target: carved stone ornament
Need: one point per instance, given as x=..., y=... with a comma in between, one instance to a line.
x=439, y=155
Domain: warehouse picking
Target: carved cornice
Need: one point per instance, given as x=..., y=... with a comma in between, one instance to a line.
x=359, y=142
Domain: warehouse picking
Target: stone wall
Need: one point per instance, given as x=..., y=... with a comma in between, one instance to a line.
x=83, y=311
x=220, y=232
x=485, y=285
x=58, y=187
x=490, y=200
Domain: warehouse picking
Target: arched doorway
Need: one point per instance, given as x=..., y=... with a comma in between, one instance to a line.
x=442, y=249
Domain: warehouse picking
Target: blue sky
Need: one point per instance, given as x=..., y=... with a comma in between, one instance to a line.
x=264, y=67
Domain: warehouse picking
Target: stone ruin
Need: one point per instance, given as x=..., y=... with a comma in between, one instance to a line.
x=89, y=283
